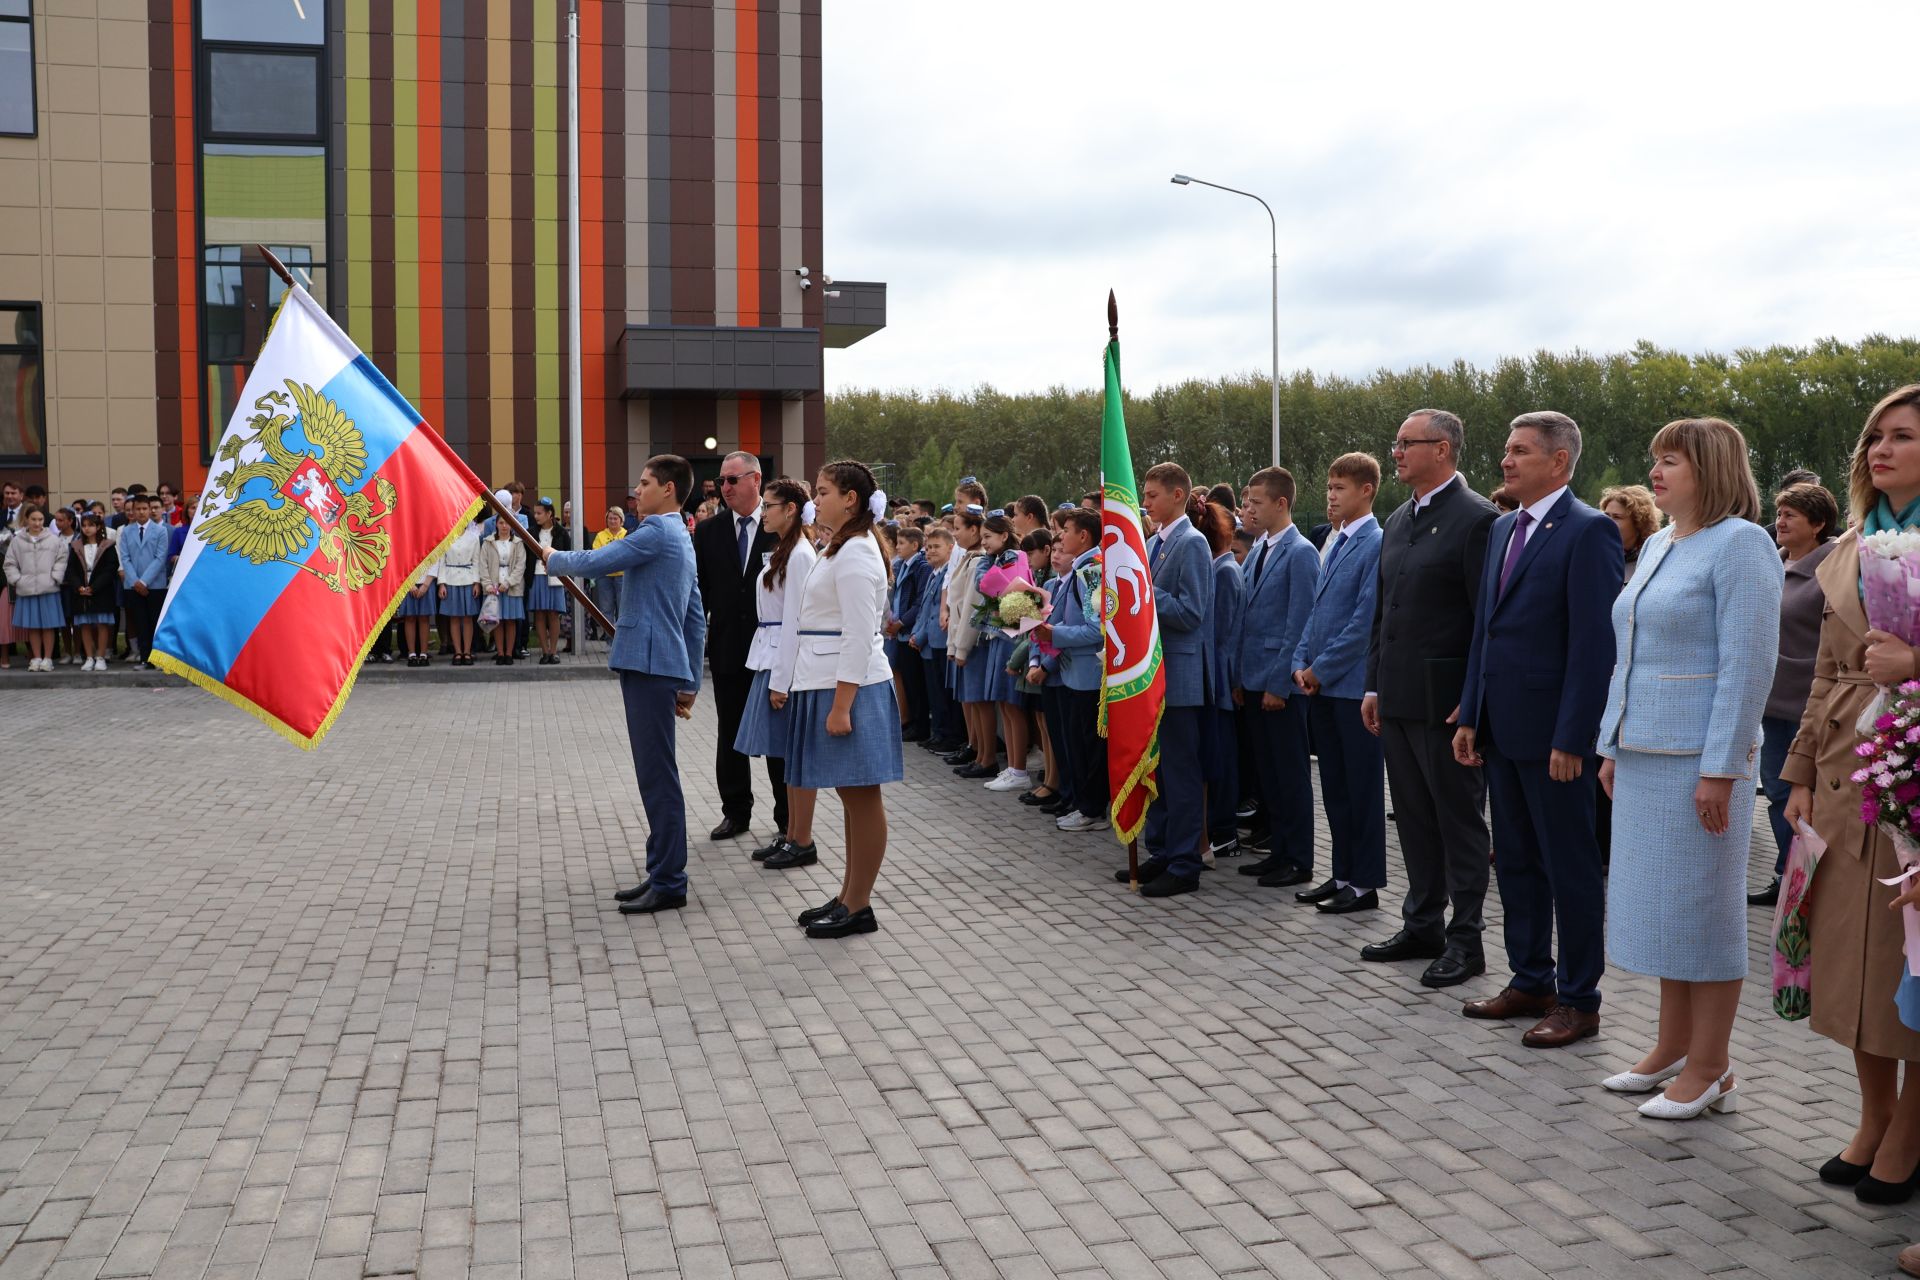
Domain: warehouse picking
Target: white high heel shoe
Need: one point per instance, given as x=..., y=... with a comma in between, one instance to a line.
x=1716, y=1098
x=1636, y=1082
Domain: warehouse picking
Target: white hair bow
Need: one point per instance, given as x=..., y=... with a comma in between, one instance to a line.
x=809, y=512
x=877, y=504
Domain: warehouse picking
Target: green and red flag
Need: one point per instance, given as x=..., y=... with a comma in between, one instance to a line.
x=1133, y=689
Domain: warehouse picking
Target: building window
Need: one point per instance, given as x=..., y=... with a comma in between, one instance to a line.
x=18, y=110
x=23, y=401
x=263, y=179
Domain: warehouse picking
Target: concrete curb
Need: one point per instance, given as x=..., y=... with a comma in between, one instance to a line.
x=122, y=676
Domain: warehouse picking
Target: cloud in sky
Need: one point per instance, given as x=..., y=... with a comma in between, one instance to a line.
x=1450, y=181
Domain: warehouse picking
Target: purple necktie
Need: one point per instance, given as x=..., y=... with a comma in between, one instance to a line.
x=1515, y=546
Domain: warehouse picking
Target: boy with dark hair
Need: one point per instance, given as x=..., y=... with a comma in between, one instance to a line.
x=1077, y=630
x=903, y=610
x=928, y=639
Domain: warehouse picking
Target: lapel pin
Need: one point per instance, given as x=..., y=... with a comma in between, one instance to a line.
x=1547, y=525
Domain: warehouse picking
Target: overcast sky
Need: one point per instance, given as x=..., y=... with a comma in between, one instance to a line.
x=1447, y=186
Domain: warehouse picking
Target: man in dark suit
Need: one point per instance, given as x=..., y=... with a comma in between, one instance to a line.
x=1431, y=554
x=729, y=550
x=1529, y=715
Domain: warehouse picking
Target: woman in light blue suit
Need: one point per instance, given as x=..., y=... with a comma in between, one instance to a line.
x=1695, y=634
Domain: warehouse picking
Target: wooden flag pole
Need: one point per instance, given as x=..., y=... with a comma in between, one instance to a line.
x=1133, y=846
x=486, y=495
x=1133, y=865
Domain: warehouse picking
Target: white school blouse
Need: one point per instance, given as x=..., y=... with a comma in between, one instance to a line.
x=836, y=630
x=772, y=605
x=459, y=567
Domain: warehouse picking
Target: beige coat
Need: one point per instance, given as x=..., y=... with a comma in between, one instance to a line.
x=1857, y=940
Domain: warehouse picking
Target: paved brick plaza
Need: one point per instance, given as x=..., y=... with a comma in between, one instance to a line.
x=369, y=1012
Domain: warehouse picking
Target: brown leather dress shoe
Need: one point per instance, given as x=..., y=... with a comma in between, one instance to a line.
x=1561, y=1028
x=1510, y=1003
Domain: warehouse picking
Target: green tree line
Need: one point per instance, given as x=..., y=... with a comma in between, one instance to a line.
x=1797, y=406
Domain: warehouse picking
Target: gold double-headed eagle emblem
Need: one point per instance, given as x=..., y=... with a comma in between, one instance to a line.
x=306, y=489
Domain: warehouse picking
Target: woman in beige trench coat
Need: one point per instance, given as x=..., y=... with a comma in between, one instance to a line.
x=1856, y=936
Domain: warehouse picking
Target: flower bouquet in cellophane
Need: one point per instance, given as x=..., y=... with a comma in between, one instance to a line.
x=1889, y=780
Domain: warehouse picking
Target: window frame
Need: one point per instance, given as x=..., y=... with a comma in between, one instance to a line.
x=9, y=347
x=33, y=76
x=316, y=54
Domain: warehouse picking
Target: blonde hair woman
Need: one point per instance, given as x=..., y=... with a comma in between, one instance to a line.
x=1695, y=636
x=1633, y=511
x=1856, y=937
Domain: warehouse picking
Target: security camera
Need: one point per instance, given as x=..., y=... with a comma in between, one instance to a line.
x=800, y=271
x=806, y=282
x=826, y=279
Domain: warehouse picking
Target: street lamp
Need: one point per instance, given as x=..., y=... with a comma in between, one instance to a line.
x=1181, y=180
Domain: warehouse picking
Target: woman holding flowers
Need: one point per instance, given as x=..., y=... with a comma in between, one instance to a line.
x=1695, y=635
x=1856, y=938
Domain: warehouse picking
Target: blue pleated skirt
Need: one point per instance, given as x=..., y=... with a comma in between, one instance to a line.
x=867, y=757
x=39, y=611
x=512, y=608
x=999, y=686
x=460, y=602
x=547, y=593
x=412, y=606
x=94, y=620
x=763, y=731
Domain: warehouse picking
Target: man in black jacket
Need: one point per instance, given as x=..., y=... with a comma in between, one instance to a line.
x=729, y=550
x=1431, y=553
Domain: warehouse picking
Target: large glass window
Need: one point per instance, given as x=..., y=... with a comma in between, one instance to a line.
x=17, y=106
x=23, y=404
x=263, y=179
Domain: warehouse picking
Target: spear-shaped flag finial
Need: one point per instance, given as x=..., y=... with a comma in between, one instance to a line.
x=1113, y=318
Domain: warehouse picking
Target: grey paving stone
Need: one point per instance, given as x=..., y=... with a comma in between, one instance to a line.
x=423, y=1044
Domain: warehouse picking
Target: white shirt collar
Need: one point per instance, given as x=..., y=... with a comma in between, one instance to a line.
x=1168, y=530
x=1354, y=527
x=1275, y=539
x=1540, y=509
x=1420, y=504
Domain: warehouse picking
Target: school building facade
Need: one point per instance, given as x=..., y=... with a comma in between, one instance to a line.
x=411, y=160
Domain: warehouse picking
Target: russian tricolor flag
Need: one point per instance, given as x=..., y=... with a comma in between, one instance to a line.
x=326, y=496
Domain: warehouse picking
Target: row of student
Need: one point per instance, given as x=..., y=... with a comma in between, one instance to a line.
x=74, y=583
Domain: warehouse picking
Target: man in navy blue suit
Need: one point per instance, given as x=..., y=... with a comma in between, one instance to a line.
x=656, y=649
x=1536, y=687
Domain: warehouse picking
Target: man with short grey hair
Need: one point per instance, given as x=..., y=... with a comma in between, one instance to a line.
x=729, y=549
x=1432, y=552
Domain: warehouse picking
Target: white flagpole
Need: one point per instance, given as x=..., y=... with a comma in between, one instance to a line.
x=576, y=475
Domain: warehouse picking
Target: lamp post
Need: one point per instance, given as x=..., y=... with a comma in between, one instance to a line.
x=1181, y=180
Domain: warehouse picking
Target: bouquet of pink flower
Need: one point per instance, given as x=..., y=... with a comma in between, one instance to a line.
x=1890, y=591
x=1889, y=779
x=1008, y=599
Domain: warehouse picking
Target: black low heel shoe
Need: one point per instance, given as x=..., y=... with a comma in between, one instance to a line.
x=1870, y=1190
x=812, y=914
x=844, y=924
x=794, y=855
x=1839, y=1173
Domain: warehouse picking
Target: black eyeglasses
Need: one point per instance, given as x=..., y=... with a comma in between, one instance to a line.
x=1401, y=446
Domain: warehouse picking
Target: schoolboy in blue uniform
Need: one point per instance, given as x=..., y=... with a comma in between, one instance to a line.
x=656, y=649
x=903, y=608
x=1181, y=565
x=928, y=639
x=1078, y=632
x=1330, y=665
x=1279, y=577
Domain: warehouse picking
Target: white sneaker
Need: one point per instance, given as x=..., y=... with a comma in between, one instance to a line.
x=99, y=664
x=1636, y=1082
x=1078, y=821
x=1010, y=780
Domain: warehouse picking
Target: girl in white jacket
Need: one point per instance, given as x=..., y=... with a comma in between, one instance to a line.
x=845, y=726
x=763, y=728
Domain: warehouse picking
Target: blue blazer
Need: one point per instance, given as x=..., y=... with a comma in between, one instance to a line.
x=1698, y=636
x=1542, y=654
x=1276, y=613
x=908, y=584
x=1229, y=607
x=1340, y=626
x=926, y=619
x=1181, y=569
x=662, y=629
x=1079, y=632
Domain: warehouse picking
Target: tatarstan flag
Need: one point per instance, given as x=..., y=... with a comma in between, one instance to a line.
x=1134, y=688
x=326, y=496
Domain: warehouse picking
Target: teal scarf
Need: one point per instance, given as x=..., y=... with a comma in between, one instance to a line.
x=1882, y=519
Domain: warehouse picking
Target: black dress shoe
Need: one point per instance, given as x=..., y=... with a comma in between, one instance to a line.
x=1264, y=866
x=1838, y=1172
x=1034, y=797
x=829, y=908
x=1058, y=807
x=914, y=735
x=1287, y=873
x=770, y=848
x=1168, y=885
x=628, y=895
x=1403, y=946
x=1346, y=902
x=1455, y=966
x=728, y=829
x=1148, y=870
x=1319, y=893
x=794, y=855
x=844, y=924
x=651, y=901
x=963, y=756
x=1767, y=897
x=976, y=771
x=1870, y=1190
